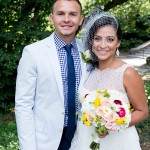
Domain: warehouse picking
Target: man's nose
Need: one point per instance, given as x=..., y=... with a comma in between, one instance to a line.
x=66, y=18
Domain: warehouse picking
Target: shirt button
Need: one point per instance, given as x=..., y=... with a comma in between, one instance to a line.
x=62, y=113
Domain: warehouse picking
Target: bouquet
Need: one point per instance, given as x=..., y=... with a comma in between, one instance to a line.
x=107, y=111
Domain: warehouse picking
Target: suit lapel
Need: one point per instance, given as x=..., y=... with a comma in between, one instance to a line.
x=81, y=50
x=54, y=62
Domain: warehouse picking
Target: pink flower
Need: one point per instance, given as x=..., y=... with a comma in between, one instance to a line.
x=103, y=121
x=109, y=125
x=118, y=102
x=114, y=129
x=100, y=112
x=122, y=112
x=90, y=116
x=103, y=111
x=111, y=118
x=106, y=103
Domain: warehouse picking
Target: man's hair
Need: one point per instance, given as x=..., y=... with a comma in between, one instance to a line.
x=67, y=0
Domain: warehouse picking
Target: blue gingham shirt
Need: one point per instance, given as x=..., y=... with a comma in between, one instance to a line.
x=63, y=64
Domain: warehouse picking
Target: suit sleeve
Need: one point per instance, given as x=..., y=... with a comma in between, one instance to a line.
x=24, y=100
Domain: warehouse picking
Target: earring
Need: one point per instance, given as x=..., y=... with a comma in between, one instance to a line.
x=117, y=52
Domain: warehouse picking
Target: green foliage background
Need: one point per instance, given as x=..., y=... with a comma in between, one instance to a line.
x=23, y=22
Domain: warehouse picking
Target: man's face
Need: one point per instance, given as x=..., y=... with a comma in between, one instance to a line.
x=66, y=18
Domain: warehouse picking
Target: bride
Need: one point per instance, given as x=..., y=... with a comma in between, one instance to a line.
x=102, y=36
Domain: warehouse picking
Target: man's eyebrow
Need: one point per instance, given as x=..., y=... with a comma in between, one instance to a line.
x=59, y=11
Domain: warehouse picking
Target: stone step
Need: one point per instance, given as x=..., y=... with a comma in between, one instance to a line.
x=141, y=48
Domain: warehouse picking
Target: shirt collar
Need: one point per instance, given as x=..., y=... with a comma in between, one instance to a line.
x=60, y=43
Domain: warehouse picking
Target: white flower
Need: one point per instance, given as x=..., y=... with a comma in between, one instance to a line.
x=86, y=56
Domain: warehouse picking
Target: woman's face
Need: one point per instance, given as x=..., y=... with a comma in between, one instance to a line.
x=105, y=42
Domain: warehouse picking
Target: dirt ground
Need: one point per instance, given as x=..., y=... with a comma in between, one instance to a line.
x=145, y=146
x=144, y=138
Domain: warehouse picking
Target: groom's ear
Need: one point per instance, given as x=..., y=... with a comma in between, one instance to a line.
x=81, y=20
x=51, y=18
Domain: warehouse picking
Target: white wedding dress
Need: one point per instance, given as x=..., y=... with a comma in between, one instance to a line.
x=126, y=140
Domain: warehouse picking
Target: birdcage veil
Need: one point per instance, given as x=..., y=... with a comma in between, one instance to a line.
x=96, y=19
x=93, y=21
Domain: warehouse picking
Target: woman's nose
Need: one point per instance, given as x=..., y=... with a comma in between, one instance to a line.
x=103, y=44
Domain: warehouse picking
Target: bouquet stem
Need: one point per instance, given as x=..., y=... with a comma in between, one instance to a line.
x=94, y=146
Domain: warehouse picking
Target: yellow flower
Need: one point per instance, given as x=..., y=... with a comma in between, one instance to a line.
x=124, y=119
x=128, y=106
x=87, y=123
x=84, y=117
x=121, y=120
x=97, y=102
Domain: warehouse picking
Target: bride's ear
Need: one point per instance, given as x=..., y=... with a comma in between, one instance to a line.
x=118, y=45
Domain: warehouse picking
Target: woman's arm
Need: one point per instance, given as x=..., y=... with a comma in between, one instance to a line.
x=134, y=86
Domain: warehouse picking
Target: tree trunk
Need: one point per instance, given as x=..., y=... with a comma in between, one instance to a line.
x=113, y=4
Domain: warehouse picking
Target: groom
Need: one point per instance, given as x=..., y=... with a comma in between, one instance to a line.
x=43, y=87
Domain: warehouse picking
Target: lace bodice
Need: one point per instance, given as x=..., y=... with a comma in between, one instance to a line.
x=106, y=79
